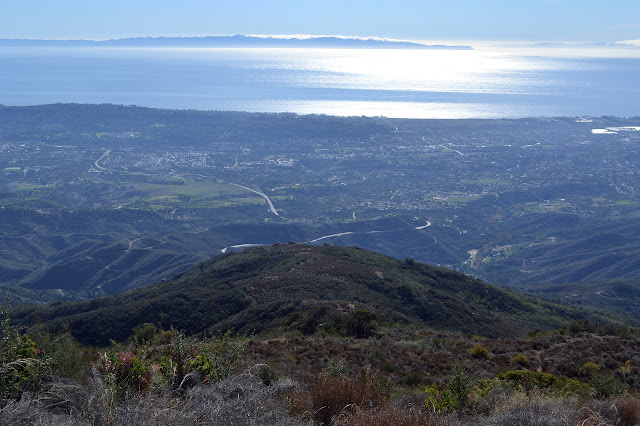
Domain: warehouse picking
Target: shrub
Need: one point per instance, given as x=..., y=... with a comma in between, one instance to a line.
x=179, y=360
x=333, y=396
x=521, y=360
x=267, y=375
x=629, y=409
x=601, y=328
x=439, y=398
x=335, y=367
x=145, y=334
x=65, y=356
x=319, y=318
x=454, y=394
x=529, y=380
x=220, y=356
x=605, y=385
x=571, y=387
x=589, y=368
x=20, y=362
x=414, y=379
x=460, y=385
x=405, y=292
x=124, y=373
x=480, y=351
x=362, y=324
x=598, y=412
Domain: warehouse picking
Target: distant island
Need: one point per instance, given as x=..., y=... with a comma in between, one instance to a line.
x=237, y=41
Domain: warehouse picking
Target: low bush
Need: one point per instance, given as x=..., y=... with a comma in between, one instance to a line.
x=332, y=395
x=479, y=352
x=629, y=410
x=452, y=395
x=124, y=373
x=414, y=379
x=66, y=357
x=460, y=385
x=362, y=324
x=220, y=356
x=146, y=334
x=605, y=385
x=439, y=398
x=335, y=367
x=571, y=387
x=21, y=364
x=267, y=375
x=521, y=360
x=589, y=368
x=529, y=380
x=359, y=324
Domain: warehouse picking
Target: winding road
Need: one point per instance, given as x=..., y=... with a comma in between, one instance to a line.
x=255, y=191
x=271, y=207
x=98, y=166
x=224, y=250
x=343, y=233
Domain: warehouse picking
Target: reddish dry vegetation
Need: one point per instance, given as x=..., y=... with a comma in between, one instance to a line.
x=365, y=400
x=427, y=356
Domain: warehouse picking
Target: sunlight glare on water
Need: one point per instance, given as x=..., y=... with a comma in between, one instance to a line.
x=440, y=110
x=482, y=83
x=461, y=71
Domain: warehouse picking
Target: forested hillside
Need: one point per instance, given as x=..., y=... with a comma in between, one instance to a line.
x=301, y=286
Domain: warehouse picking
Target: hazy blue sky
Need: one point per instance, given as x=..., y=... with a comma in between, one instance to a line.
x=537, y=20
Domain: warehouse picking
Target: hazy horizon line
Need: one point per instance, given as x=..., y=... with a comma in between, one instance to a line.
x=630, y=42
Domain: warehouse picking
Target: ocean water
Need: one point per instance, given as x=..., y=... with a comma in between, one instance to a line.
x=483, y=83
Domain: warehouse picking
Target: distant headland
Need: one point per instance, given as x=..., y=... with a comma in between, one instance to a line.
x=239, y=41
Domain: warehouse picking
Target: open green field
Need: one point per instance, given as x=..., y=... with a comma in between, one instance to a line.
x=193, y=194
x=463, y=199
x=194, y=188
x=487, y=181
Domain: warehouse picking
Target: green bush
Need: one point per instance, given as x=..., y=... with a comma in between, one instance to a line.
x=362, y=324
x=319, y=318
x=455, y=393
x=359, y=324
x=145, y=334
x=589, y=368
x=124, y=374
x=521, y=360
x=571, y=387
x=460, y=385
x=606, y=385
x=21, y=362
x=480, y=351
x=267, y=375
x=66, y=357
x=179, y=358
x=439, y=398
x=529, y=380
x=183, y=357
x=220, y=356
